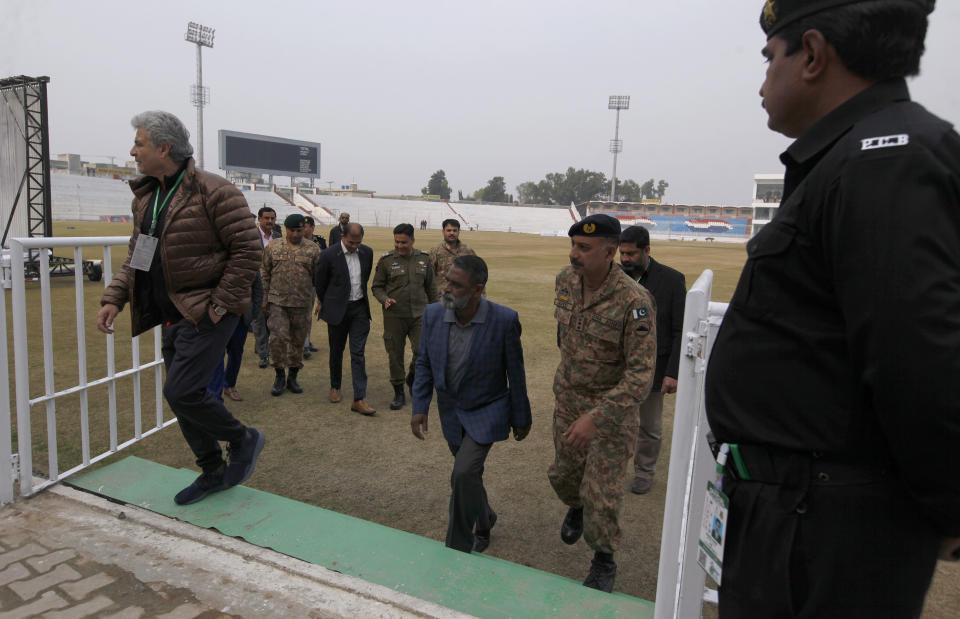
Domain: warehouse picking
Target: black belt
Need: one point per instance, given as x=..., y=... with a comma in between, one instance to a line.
x=771, y=465
x=360, y=300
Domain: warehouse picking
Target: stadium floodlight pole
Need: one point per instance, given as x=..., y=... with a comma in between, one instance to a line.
x=202, y=36
x=616, y=144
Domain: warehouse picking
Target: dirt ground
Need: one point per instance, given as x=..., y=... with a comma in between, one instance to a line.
x=373, y=468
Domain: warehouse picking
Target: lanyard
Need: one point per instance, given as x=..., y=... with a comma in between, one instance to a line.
x=156, y=200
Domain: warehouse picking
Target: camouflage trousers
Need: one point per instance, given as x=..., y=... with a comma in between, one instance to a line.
x=288, y=327
x=395, y=333
x=593, y=477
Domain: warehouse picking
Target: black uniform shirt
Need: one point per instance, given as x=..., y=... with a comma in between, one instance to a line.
x=843, y=335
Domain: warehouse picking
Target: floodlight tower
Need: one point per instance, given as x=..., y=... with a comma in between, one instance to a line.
x=616, y=144
x=200, y=96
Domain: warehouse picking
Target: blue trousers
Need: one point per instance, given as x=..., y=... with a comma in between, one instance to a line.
x=223, y=379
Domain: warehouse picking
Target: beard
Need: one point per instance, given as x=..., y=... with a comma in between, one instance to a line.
x=451, y=302
x=631, y=267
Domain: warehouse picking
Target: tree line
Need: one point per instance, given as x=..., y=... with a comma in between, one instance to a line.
x=574, y=185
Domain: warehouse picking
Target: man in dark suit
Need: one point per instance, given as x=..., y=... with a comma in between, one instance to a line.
x=470, y=351
x=669, y=290
x=337, y=232
x=341, y=283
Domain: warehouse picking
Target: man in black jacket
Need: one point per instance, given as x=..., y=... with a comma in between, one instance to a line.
x=833, y=378
x=341, y=283
x=338, y=231
x=669, y=289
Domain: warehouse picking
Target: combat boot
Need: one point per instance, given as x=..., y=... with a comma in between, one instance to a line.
x=279, y=383
x=603, y=572
x=398, y=398
x=572, y=527
x=292, y=383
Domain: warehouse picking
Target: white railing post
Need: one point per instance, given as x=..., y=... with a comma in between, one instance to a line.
x=7, y=469
x=82, y=357
x=21, y=366
x=680, y=583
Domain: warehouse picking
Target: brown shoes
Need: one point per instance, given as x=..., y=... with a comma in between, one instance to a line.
x=360, y=406
x=335, y=395
x=233, y=394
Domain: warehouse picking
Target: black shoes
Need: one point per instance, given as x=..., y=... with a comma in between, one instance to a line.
x=481, y=538
x=279, y=383
x=306, y=353
x=243, y=457
x=603, y=571
x=572, y=527
x=263, y=362
x=398, y=398
x=312, y=348
x=292, y=383
x=206, y=484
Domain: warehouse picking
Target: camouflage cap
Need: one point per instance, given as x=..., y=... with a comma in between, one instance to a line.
x=294, y=221
x=777, y=14
x=596, y=225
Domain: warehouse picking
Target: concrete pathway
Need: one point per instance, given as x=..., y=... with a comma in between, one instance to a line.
x=69, y=554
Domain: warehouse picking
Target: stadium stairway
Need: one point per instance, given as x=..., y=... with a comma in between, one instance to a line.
x=476, y=584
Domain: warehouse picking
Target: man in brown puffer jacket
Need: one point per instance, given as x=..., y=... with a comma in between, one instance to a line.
x=193, y=255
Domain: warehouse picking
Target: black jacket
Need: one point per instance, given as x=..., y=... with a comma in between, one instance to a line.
x=332, y=281
x=669, y=290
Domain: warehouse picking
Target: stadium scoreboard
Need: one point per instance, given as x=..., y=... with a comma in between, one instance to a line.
x=264, y=154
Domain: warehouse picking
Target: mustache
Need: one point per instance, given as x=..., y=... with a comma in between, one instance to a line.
x=576, y=263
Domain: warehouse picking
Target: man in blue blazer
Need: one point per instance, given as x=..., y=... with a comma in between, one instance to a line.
x=470, y=351
x=341, y=283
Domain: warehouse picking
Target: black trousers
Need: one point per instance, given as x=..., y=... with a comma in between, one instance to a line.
x=191, y=354
x=468, y=497
x=356, y=326
x=825, y=550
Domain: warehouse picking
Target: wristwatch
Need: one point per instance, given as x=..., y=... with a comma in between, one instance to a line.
x=219, y=311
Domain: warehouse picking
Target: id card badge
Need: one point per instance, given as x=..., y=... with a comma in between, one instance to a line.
x=713, y=530
x=143, y=252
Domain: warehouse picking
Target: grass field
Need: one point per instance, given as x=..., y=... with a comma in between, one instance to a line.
x=373, y=468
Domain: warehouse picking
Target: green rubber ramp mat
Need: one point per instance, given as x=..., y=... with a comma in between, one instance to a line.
x=477, y=584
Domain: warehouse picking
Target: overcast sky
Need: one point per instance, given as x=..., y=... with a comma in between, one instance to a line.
x=396, y=90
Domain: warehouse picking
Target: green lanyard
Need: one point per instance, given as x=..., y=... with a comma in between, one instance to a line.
x=156, y=200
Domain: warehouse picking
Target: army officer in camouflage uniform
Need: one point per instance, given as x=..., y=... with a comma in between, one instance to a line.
x=404, y=283
x=289, y=264
x=608, y=351
x=443, y=255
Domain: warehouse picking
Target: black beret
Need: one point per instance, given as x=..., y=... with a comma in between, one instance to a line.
x=293, y=221
x=596, y=225
x=778, y=14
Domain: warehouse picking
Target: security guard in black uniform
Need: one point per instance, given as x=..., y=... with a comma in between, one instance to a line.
x=836, y=371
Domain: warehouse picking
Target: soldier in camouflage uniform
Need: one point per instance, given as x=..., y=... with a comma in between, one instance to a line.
x=608, y=350
x=442, y=256
x=288, y=268
x=404, y=283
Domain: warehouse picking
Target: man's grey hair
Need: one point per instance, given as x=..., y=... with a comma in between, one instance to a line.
x=165, y=128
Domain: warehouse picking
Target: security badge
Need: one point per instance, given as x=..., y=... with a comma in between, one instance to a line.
x=143, y=252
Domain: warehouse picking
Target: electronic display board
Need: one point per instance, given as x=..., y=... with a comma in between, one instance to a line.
x=264, y=154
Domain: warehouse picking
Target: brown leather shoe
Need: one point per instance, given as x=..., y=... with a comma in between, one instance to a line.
x=335, y=395
x=233, y=394
x=360, y=406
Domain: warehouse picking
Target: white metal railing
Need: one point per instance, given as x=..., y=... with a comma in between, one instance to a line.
x=14, y=277
x=680, y=583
